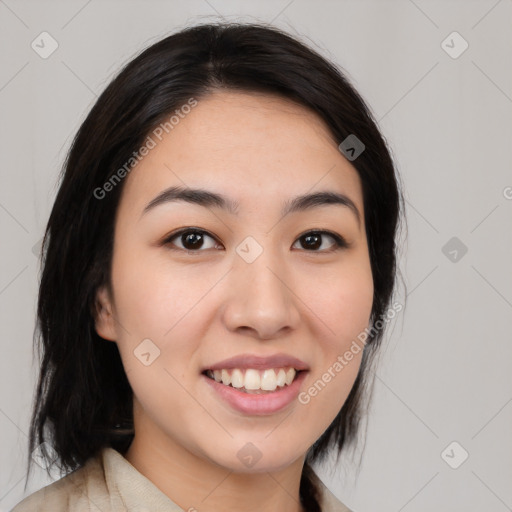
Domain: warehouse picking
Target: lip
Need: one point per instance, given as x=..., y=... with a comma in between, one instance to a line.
x=245, y=361
x=258, y=405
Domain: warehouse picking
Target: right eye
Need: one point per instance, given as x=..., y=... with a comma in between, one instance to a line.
x=191, y=239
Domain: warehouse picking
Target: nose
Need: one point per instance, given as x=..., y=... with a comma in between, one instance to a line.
x=261, y=300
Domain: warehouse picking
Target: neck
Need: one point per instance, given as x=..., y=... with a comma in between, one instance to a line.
x=195, y=483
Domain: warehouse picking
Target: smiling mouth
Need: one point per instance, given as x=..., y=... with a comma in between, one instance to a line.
x=253, y=381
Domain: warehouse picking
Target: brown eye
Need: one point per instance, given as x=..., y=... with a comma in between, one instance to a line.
x=313, y=240
x=196, y=240
x=191, y=240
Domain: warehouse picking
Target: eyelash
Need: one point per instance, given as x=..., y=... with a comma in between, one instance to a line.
x=339, y=241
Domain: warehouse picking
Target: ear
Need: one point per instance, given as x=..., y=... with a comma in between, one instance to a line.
x=104, y=320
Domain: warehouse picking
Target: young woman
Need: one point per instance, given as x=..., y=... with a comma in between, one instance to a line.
x=218, y=271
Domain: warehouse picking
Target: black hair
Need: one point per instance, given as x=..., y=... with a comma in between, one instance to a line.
x=83, y=400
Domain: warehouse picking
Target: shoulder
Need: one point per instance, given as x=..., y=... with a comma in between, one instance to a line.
x=74, y=492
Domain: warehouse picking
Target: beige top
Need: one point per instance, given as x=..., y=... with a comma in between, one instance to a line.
x=109, y=483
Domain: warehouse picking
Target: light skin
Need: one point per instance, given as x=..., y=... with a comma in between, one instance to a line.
x=309, y=301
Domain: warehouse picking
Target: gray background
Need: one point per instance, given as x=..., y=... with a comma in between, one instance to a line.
x=445, y=375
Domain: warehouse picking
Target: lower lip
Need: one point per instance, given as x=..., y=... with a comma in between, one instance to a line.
x=267, y=403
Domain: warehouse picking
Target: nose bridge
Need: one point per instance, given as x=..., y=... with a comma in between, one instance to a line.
x=260, y=298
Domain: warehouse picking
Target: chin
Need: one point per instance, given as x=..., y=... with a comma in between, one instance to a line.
x=257, y=457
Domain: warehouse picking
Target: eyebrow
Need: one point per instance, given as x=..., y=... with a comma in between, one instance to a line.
x=210, y=199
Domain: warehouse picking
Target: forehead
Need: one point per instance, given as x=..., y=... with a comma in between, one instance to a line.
x=236, y=125
x=252, y=147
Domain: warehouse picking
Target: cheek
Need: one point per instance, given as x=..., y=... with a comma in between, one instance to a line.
x=155, y=315
x=343, y=307
x=153, y=305
x=342, y=301
x=153, y=296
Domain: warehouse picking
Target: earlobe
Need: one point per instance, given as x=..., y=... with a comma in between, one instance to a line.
x=104, y=320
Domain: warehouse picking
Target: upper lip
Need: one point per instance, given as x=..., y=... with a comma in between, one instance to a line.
x=245, y=361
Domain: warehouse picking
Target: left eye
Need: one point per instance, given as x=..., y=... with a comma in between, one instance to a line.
x=313, y=240
x=193, y=239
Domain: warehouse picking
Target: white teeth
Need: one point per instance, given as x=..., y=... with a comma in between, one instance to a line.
x=281, y=378
x=269, y=380
x=290, y=375
x=226, y=378
x=237, y=379
x=253, y=380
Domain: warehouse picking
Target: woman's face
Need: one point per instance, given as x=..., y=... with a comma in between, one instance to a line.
x=252, y=293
